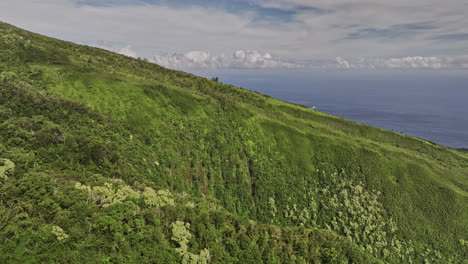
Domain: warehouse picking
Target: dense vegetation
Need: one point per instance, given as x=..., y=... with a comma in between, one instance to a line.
x=105, y=158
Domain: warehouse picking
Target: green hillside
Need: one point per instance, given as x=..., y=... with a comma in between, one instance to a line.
x=109, y=159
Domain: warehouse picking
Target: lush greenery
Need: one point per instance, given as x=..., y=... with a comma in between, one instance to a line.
x=105, y=158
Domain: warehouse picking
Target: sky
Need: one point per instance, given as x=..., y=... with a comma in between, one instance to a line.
x=260, y=34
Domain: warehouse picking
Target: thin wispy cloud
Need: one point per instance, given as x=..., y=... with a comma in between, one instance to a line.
x=392, y=32
x=452, y=37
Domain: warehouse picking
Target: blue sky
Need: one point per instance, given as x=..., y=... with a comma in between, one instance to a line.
x=233, y=6
x=324, y=34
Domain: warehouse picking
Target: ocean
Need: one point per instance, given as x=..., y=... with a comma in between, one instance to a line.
x=430, y=104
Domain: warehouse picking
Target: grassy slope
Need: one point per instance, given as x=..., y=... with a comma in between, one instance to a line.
x=243, y=149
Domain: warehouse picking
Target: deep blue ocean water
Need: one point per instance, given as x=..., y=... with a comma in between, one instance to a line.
x=431, y=105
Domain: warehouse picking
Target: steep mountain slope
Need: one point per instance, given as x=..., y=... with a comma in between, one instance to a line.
x=108, y=158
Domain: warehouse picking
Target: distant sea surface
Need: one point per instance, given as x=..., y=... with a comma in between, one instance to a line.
x=431, y=105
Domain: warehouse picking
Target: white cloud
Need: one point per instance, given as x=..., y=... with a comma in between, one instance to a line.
x=257, y=59
x=404, y=63
x=252, y=59
x=189, y=60
x=342, y=63
x=105, y=45
x=417, y=62
x=127, y=51
x=241, y=59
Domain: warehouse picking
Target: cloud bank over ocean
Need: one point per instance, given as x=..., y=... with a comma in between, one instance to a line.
x=240, y=59
x=253, y=59
x=404, y=63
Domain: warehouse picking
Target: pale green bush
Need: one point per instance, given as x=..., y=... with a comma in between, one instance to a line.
x=59, y=233
x=117, y=192
x=181, y=235
x=159, y=198
x=6, y=168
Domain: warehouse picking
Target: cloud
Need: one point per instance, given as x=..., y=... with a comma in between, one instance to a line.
x=392, y=32
x=343, y=64
x=127, y=50
x=379, y=28
x=252, y=59
x=295, y=30
x=240, y=59
x=452, y=37
x=189, y=60
x=104, y=45
x=403, y=63
x=417, y=63
x=257, y=59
